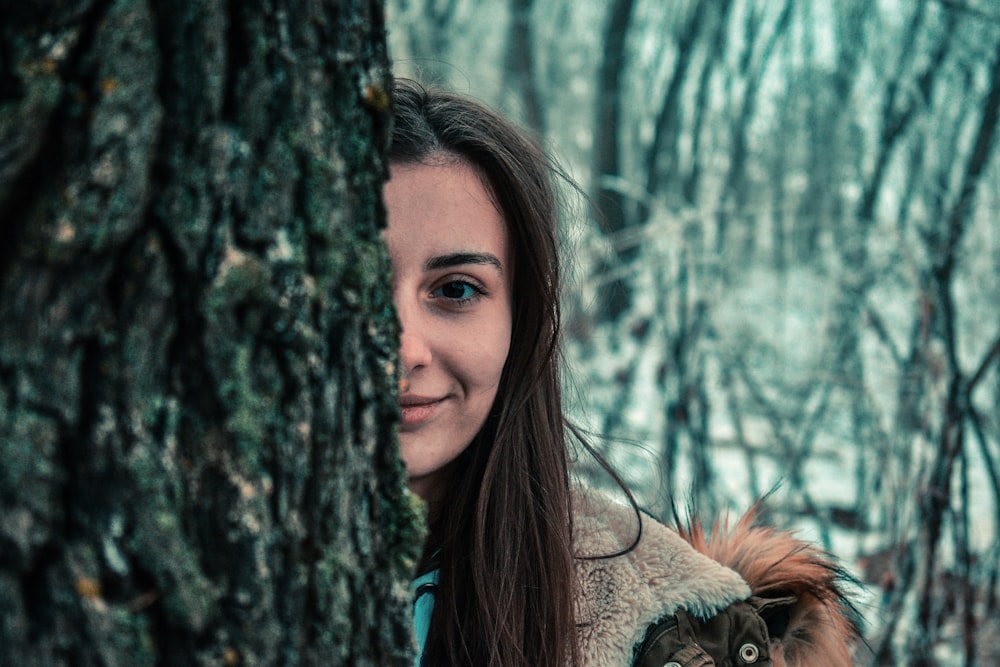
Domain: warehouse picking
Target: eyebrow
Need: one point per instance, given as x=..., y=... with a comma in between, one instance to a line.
x=461, y=258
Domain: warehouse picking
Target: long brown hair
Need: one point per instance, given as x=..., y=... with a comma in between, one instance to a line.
x=503, y=541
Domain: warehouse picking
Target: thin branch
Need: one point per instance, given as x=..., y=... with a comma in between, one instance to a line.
x=977, y=163
x=988, y=462
x=965, y=8
x=990, y=357
x=882, y=332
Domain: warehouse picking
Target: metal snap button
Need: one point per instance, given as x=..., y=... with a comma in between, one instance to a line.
x=749, y=653
x=671, y=664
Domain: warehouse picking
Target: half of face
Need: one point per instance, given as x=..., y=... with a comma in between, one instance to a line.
x=451, y=265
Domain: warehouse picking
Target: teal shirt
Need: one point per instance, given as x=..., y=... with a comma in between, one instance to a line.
x=424, y=588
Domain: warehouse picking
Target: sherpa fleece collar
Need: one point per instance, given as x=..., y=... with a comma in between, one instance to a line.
x=618, y=598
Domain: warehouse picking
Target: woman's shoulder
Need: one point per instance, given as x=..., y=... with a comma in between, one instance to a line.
x=751, y=592
x=657, y=559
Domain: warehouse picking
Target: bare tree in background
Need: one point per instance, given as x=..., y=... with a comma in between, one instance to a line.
x=949, y=427
x=614, y=296
x=197, y=340
x=520, y=65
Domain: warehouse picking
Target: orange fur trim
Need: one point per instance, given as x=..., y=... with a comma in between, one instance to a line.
x=820, y=628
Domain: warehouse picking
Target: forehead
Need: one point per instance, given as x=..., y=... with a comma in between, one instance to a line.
x=440, y=208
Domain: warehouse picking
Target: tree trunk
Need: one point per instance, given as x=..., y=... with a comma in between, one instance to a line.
x=519, y=68
x=197, y=342
x=614, y=298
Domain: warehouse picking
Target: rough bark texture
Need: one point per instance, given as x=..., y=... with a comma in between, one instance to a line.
x=197, y=343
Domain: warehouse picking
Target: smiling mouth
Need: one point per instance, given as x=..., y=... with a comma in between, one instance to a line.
x=416, y=411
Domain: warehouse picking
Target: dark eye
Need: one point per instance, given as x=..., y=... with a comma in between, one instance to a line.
x=456, y=290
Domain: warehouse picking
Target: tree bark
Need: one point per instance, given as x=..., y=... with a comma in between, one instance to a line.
x=197, y=340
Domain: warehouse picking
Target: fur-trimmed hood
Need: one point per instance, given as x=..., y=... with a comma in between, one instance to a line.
x=789, y=589
x=797, y=587
x=619, y=598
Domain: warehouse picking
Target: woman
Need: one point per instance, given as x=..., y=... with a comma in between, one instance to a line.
x=519, y=570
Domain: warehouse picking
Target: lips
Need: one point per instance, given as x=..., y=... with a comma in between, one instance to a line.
x=418, y=409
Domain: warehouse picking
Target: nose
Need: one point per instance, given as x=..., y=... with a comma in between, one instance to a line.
x=414, y=351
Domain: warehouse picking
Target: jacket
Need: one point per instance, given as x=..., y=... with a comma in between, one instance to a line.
x=751, y=596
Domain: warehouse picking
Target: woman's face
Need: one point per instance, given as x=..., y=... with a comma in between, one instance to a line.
x=452, y=288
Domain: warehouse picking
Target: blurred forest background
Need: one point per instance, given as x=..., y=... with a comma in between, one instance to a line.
x=794, y=277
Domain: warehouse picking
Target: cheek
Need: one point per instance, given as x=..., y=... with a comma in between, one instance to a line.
x=474, y=351
x=497, y=352
x=484, y=361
